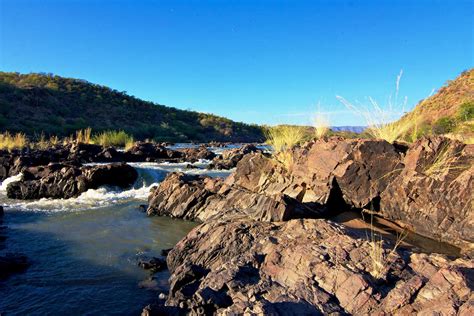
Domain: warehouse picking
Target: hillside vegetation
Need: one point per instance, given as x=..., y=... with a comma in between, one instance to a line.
x=449, y=111
x=53, y=105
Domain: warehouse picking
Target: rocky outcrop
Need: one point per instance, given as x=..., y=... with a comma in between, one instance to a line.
x=66, y=181
x=229, y=158
x=308, y=267
x=433, y=194
x=354, y=172
x=151, y=152
x=197, y=153
x=202, y=198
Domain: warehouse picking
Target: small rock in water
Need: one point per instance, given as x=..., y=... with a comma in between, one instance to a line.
x=142, y=208
x=1, y=211
x=155, y=264
x=190, y=166
x=165, y=252
x=162, y=296
x=12, y=263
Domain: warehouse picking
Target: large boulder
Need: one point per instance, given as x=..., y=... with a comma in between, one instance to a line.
x=66, y=181
x=229, y=158
x=197, y=153
x=433, y=195
x=357, y=170
x=308, y=267
x=146, y=151
x=201, y=198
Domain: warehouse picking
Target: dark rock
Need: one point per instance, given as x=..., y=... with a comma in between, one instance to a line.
x=142, y=208
x=165, y=252
x=12, y=263
x=84, y=152
x=154, y=264
x=195, y=154
x=66, y=181
x=145, y=151
x=308, y=267
x=1, y=211
x=229, y=158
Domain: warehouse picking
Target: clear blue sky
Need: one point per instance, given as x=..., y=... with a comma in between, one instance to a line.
x=253, y=61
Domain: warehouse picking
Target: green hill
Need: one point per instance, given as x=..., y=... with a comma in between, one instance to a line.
x=449, y=111
x=36, y=103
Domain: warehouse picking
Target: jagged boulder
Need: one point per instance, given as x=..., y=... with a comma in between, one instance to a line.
x=66, y=181
x=308, y=267
x=201, y=198
x=229, y=158
x=332, y=171
x=433, y=195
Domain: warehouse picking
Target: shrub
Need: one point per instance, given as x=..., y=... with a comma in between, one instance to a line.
x=444, y=125
x=466, y=111
x=113, y=138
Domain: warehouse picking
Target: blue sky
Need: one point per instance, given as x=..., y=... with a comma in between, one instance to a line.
x=266, y=62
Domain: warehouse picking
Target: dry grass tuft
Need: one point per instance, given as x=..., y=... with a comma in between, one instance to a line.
x=381, y=259
x=282, y=139
x=445, y=161
x=9, y=141
x=84, y=136
x=113, y=138
x=321, y=125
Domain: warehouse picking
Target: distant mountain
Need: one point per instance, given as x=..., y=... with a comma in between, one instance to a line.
x=35, y=103
x=352, y=129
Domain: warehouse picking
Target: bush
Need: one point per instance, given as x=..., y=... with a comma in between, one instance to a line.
x=466, y=111
x=444, y=125
x=113, y=138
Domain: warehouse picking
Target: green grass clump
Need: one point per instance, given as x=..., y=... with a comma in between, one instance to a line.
x=113, y=138
x=12, y=141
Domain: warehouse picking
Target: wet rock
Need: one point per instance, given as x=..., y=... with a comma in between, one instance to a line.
x=11, y=263
x=154, y=264
x=432, y=195
x=1, y=211
x=200, y=198
x=196, y=154
x=165, y=252
x=145, y=151
x=229, y=158
x=307, y=267
x=66, y=181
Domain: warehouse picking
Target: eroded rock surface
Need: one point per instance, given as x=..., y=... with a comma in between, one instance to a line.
x=196, y=154
x=229, y=158
x=308, y=267
x=201, y=198
x=66, y=181
x=433, y=195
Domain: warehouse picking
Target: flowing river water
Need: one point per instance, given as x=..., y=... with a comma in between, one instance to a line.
x=83, y=251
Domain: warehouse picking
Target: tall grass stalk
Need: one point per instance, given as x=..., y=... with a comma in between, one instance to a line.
x=381, y=260
x=381, y=119
x=321, y=125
